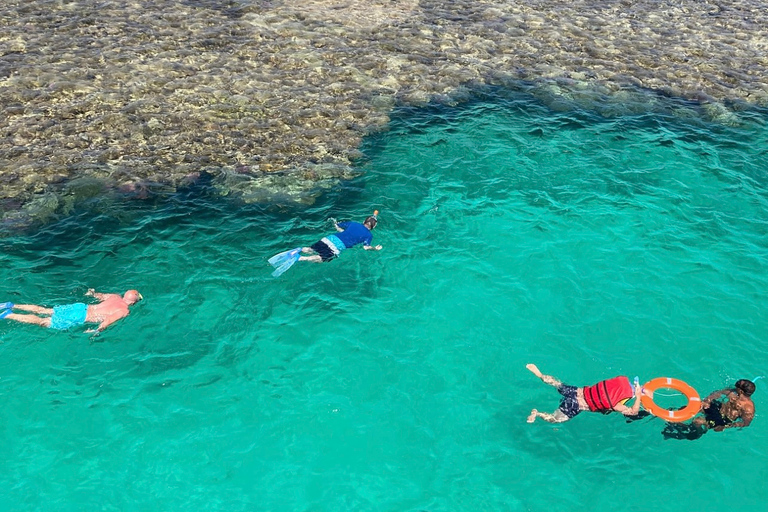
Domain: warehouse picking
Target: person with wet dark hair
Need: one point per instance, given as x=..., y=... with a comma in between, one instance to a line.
x=722, y=409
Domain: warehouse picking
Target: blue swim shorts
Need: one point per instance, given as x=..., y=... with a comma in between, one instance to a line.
x=68, y=316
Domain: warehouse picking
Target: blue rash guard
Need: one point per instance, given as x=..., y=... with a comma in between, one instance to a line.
x=354, y=233
x=331, y=246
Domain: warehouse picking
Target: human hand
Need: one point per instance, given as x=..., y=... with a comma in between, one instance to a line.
x=378, y=247
x=90, y=293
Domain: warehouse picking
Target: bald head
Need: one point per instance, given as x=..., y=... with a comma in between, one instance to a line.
x=132, y=297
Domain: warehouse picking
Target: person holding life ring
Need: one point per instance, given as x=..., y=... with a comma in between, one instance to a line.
x=736, y=409
x=722, y=409
x=605, y=396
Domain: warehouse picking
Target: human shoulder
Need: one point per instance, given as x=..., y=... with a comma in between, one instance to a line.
x=110, y=304
x=101, y=297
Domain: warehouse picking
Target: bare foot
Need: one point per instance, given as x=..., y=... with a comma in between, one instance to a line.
x=534, y=412
x=532, y=367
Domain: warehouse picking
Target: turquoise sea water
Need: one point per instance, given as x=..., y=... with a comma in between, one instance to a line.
x=396, y=380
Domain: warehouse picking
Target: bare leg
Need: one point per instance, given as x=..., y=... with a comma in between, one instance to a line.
x=556, y=417
x=30, y=319
x=34, y=309
x=315, y=258
x=547, y=379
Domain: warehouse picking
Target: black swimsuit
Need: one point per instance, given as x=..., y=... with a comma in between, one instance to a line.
x=714, y=417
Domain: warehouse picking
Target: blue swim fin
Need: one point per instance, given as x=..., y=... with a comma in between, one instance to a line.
x=5, y=313
x=278, y=259
x=6, y=305
x=284, y=261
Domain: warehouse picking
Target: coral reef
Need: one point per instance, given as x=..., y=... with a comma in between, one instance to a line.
x=272, y=98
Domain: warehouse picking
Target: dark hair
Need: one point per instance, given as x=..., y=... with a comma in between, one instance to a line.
x=371, y=221
x=745, y=386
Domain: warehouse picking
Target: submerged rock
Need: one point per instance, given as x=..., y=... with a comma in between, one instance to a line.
x=143, y=98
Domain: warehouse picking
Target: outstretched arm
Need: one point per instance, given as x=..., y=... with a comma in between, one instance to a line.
x=372, y=247
x=106, y=323
x=98, y=296
x=712, y=396
x=103, y=325
x=631, y=411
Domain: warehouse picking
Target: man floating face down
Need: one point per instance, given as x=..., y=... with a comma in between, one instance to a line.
x=348, y=234
x=110, y=308
x=604, y=397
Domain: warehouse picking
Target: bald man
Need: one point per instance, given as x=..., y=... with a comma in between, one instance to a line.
x=111, y=308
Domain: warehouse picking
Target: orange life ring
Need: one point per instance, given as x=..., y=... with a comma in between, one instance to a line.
x=675, y=416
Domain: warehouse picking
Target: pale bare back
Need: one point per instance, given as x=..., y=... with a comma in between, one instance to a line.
x=111, y=308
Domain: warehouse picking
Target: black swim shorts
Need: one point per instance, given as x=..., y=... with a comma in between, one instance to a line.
x=325, y=252
x=569, y=404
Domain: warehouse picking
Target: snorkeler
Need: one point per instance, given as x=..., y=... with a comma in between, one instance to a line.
x=111, y=308
x=736, y=410
x=606, y=396
x=348, y=234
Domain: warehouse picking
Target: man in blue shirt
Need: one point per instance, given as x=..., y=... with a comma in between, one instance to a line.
x=348, y=234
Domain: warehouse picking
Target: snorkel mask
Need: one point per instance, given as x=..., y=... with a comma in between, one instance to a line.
x=373, y=219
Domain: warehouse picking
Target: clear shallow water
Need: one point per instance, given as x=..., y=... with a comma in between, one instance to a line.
x=396, y=380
